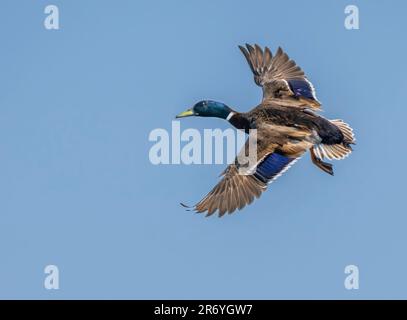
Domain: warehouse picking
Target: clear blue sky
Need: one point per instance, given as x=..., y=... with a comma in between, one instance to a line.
x=77, y=189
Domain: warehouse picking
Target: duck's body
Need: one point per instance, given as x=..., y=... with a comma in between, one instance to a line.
x=286, y=125
x=290, y=122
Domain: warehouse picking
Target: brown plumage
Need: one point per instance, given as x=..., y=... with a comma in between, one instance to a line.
x=272, y=73
x=286, y=127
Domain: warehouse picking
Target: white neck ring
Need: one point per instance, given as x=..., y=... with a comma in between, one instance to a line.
x=230, y=115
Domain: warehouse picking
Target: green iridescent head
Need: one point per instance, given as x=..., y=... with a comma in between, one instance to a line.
x=207, y=108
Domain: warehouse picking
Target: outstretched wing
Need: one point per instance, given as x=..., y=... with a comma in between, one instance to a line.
x=233, y=192
x=279, y=75
x=240, y=186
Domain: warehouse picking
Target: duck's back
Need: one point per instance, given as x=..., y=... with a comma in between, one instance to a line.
x=300, y=118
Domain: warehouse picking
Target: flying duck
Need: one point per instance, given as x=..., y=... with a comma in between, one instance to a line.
x=287, y=126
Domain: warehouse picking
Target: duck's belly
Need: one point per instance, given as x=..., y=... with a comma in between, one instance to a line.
x=295, y=149
x=293, y=141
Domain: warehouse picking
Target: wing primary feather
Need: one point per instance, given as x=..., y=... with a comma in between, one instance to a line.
x=269, y=71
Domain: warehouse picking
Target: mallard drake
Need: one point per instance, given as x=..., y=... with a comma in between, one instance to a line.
x=287, y=126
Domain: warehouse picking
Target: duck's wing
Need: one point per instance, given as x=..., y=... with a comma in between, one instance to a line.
x=279, y=75
x=241, y=184
x=233, y=192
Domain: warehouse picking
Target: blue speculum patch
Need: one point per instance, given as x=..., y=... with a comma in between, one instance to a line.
x=271, y=166
x=302, y=88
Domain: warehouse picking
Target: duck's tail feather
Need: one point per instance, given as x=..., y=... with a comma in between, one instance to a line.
x=346, y=130
x=337, y=151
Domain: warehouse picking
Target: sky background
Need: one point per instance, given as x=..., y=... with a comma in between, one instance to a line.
x=77, y=189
